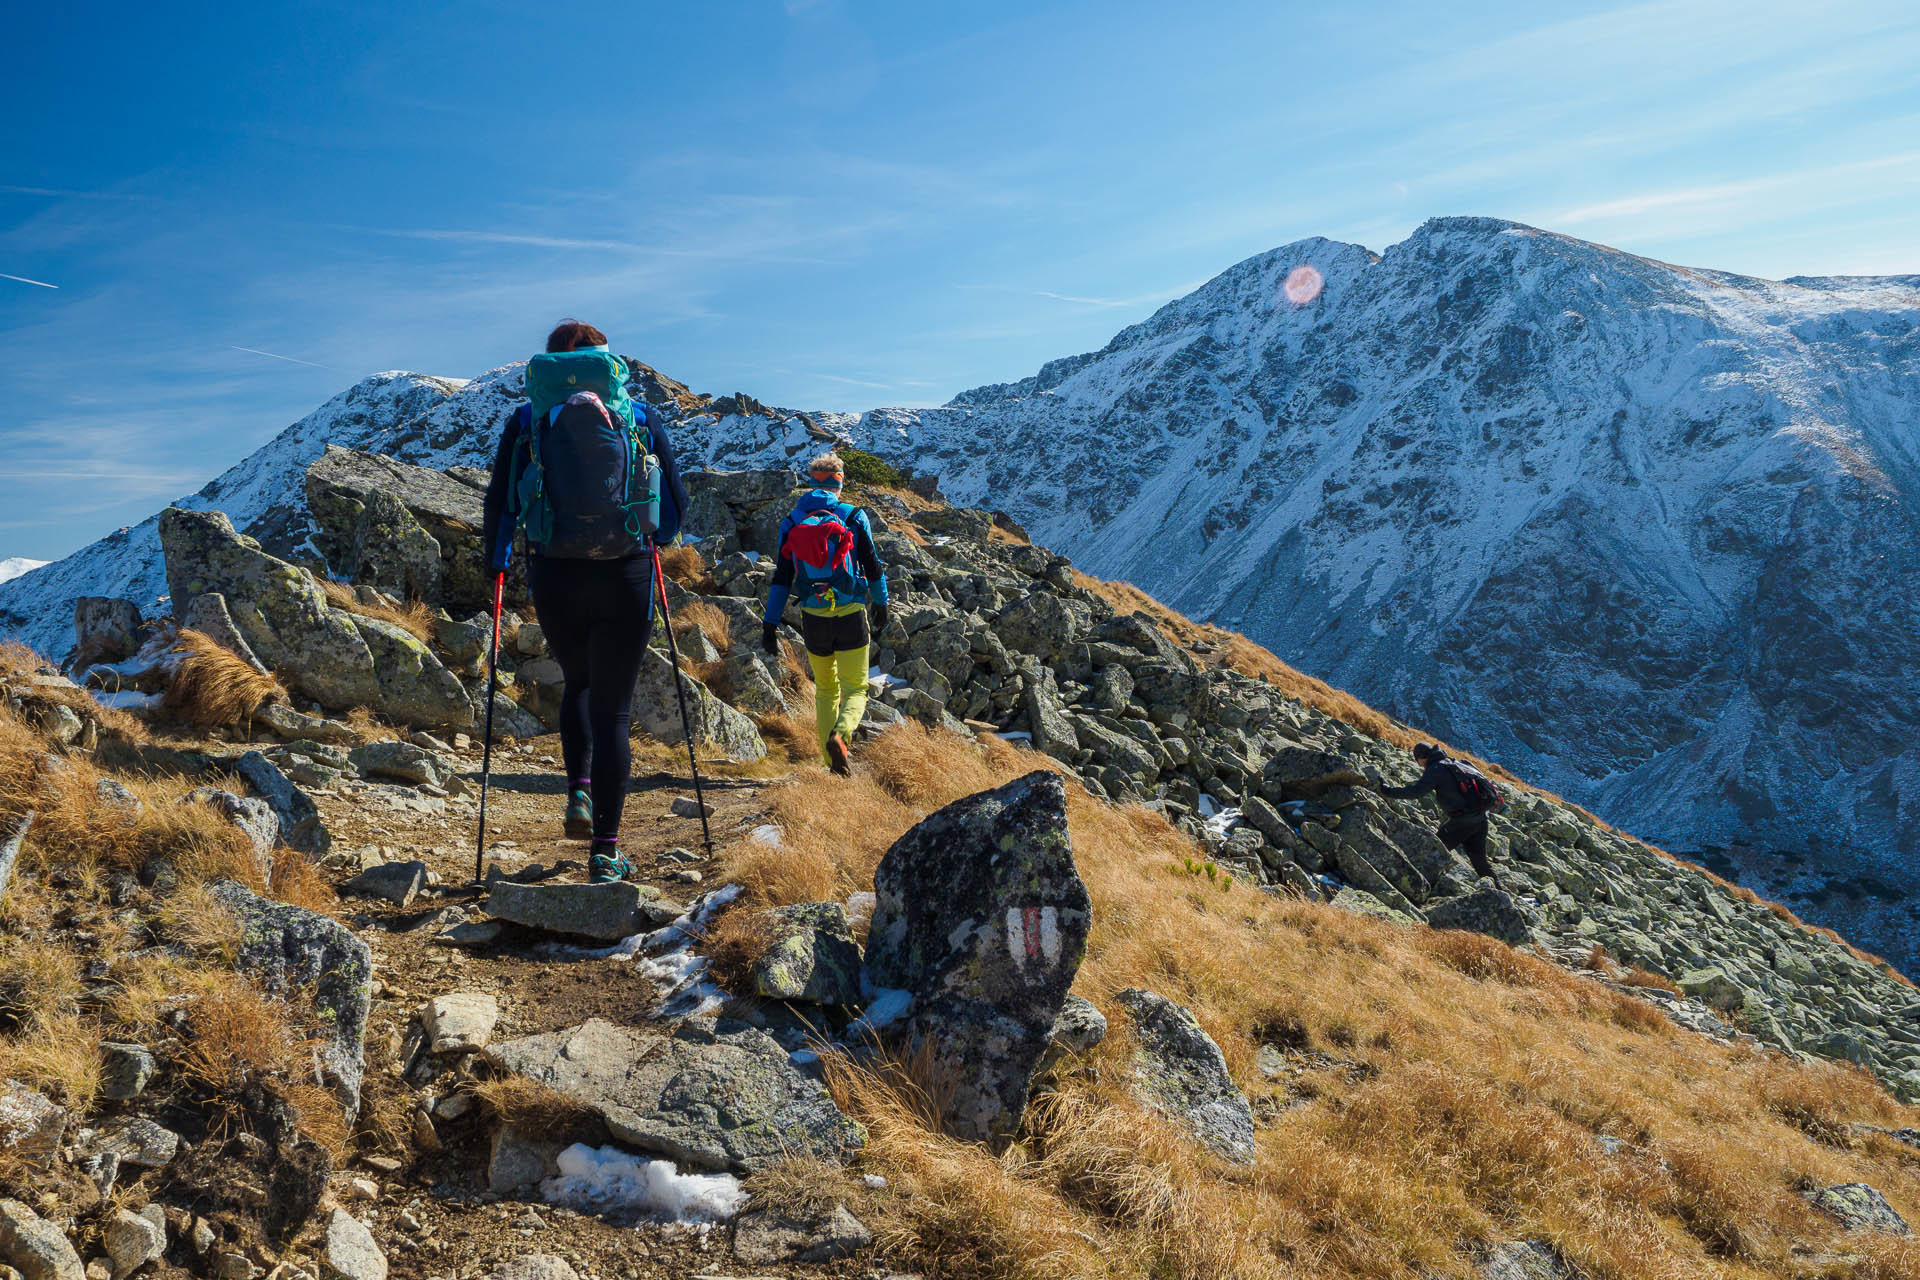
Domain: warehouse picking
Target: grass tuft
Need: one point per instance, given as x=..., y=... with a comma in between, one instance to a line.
x=212, y=685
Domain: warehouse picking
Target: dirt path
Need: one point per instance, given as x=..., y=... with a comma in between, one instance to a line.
x=435, y=1215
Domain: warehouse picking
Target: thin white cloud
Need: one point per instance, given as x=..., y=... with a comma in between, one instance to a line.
x=23, y=280
x=274, y=355
x=853, y=382
x=1835, y=182
x=516, y=238
x=1158, y=295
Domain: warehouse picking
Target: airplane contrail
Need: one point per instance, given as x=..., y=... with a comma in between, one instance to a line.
x=23, y=280
x=273, y=355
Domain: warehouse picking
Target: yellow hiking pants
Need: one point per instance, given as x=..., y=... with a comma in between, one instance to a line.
x=839, y=693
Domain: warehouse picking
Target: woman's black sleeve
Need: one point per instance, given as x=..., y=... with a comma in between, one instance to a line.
x=501, y=512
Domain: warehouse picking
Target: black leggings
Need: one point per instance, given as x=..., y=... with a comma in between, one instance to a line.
x=596, y=615
x=1467, y=832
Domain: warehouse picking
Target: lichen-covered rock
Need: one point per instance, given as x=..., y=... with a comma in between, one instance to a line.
x=1489, y=911
x=711, y=1095
x=415, y=686
x=208, y=614
x=812, y=957
x=292, y=952
x=981, y=914
x=1859, y=1207
x=104, y=630
x=1180, y=1071
x=656, y=709
x=1362, y=903
x=1037, y=623
x=608, y=912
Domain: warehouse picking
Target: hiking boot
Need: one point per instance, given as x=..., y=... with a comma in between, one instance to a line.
x=579, y=819
x=608, y=868
x=837, y=757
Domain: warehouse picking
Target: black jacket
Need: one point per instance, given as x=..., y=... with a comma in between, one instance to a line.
x=1438, y=779
x=502, y=505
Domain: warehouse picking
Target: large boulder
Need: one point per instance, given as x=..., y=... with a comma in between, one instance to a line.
x=981, y=914
x=208, y=614
x=354, y=497
x=297, y=953
x=720, y=1096
x=1179, y=1071
x=1490, y=911
x=656, y=709
x=280, y=610
x=1037, y=623
x=337, y=658
x=104, y=630
x=415, y=686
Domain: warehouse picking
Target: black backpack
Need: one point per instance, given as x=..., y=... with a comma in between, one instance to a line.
x=1474, y=786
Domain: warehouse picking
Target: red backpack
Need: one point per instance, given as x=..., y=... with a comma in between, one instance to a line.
x=820, y=544
x=1474, y=786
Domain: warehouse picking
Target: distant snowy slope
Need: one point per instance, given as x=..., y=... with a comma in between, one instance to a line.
x=13, y=566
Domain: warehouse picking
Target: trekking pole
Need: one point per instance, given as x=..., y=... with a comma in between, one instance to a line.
x=680, y=692
x=486, y=749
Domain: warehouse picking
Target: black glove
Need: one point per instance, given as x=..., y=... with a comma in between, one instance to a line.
x=770, y=637
x=877, y=618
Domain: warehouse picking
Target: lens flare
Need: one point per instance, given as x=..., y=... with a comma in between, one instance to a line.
x=1303, y=285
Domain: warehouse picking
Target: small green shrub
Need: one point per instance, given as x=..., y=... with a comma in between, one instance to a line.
x=865, y=468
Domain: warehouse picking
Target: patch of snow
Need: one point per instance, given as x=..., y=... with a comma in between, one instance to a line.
x=860, y=906
x=885, y=1006
x=768, y=834
x=875, y=1182
x=127, y=700
x=596, y=1179
x=1014, y=735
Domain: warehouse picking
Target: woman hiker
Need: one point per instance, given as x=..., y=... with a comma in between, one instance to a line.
x=827, y=559
x=590, y=475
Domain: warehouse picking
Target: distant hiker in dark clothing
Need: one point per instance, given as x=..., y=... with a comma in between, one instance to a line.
x=591, y=476
x=828, y=559
x=1464, y=794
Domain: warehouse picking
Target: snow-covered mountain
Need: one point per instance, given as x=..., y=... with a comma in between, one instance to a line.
x=1644, y=533
x=13, y=566
x=1640, y=532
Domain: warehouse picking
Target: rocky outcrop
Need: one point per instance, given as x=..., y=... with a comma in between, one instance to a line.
x=339, y=659
x=711, y=1095
x=981, y=914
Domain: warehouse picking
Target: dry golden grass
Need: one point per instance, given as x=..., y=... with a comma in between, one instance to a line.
x=72, y=829
x=686, y=566
x=239, y=1039
x=709, y=619
x=299, y=882
x=734, y=943
x=17, y=662
x=1478, y=1081
x=369, y=727
x=414, y=617
x=527, y=1104
x=212, y=685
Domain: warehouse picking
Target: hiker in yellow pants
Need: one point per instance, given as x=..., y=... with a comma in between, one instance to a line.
x=828, y=561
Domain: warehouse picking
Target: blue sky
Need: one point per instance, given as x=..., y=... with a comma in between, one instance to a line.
x=829, y=203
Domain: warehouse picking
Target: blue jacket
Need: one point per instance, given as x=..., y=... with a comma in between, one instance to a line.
x=864, y=553
x=502, y=506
